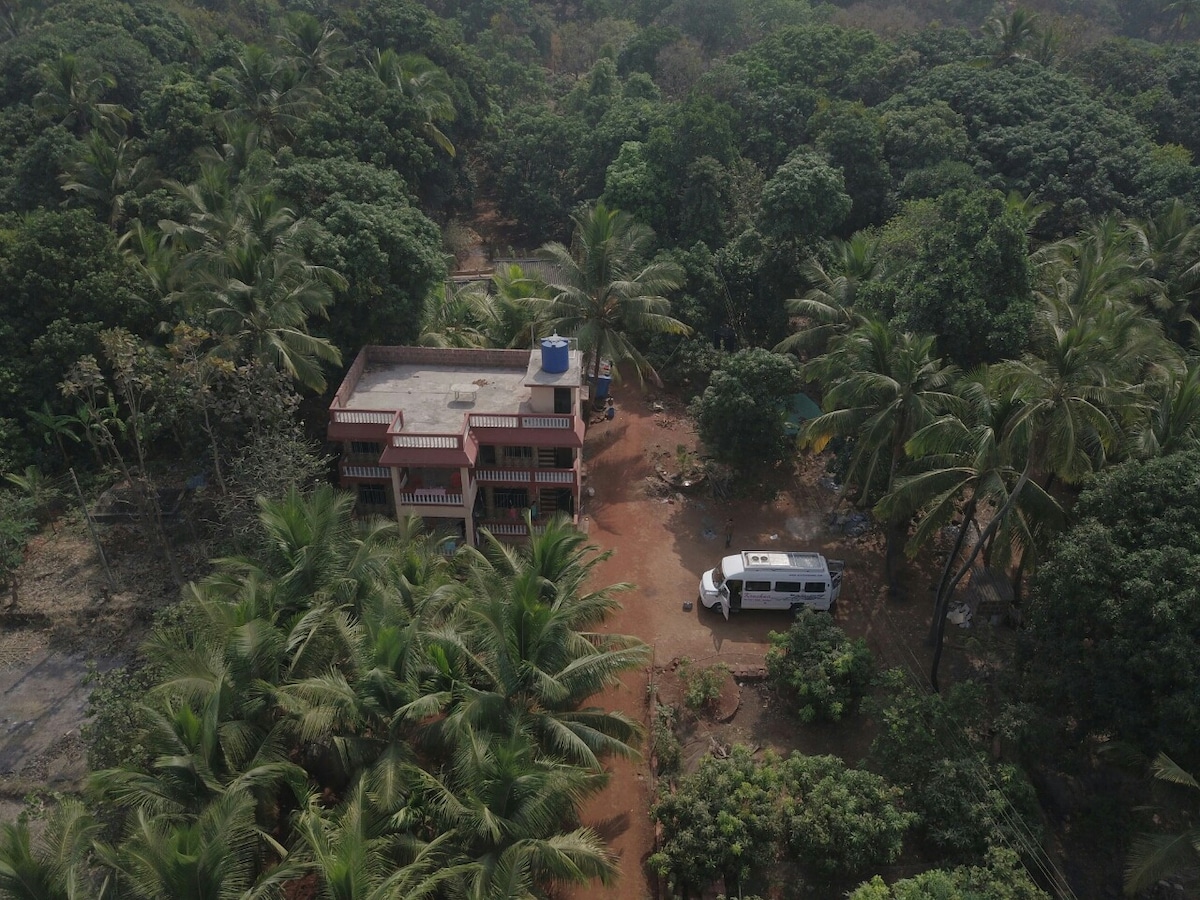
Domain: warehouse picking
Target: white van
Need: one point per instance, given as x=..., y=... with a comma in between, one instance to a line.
x=771, y=579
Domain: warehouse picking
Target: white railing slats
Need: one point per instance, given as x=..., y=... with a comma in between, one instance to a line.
x=425, y=441
x=362, y=417
x=426, y=498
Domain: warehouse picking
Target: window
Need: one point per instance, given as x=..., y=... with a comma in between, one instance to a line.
x=562, y=400
x=517, y=456
x=511, y=498
x=563, y=457
x=487, y=455
x=787, y=587
x=372, y=494
x=365, y=447
x=814, y=587
x=763, y=586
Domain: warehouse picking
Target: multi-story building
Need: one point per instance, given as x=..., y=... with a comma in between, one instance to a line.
x=464, y=438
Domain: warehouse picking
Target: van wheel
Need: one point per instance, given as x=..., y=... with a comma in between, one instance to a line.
x=795, y=608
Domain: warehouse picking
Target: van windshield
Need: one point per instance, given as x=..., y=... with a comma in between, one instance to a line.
x=718, y=575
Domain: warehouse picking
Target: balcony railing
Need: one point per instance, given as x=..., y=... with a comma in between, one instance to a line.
x=351, y=471
x=431, y=498
x=525, y=476
x=426, y=441
x=484, y=420
x=508, y=529
x=362, y=417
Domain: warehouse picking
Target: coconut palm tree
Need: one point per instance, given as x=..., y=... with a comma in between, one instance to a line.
x=828, y=307
x=219, y=855
x=105, y=170
x=1171, y=244
x=1014, y=34
x=456, y=317
x=604, y=290
x=71, y=94
x=883, y=386
x=427, y=85
x=519, y=655
x=972, y=461
x=241, y=269
x=267, y=92
x=506, y=808
x=314, y=48
x=358, y=854
x=1173, y=423
x=59, y=863
x=1154, y=856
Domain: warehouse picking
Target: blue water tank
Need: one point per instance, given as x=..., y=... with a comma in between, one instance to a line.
x=555, y=354
x=602, y=385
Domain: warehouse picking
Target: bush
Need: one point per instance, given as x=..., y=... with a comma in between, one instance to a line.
x=840, y=821
x=702, y=686
x=667, y=750
x=819, y=672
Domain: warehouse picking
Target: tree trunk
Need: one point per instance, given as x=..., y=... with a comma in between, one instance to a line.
x=966, y=567
x=939, y=611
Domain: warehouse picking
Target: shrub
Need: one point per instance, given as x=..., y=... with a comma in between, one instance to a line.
x=840, y=821
x=819, y=672
x=702, y=686
x=664, y=745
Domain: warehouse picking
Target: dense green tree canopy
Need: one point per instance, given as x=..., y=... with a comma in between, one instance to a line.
x=1121, y=579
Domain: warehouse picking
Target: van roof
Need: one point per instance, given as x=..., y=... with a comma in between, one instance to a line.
x=773, y=559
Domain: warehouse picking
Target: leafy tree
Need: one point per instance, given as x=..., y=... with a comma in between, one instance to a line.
x=721, y=821
x=933, y=746
x=839, y=821
x=364, y=226
x=851, y=136
x=819, y=672
x=1122, y=578
x=603, y=288
x=805, y=198
x=958, y=267
x=62, y=281
x=750, y=386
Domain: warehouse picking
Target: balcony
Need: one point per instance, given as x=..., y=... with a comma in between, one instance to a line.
x=563, y=477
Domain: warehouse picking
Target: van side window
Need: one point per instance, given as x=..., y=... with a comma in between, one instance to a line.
x=814, y=587
x=787, y=587
x=759, y=586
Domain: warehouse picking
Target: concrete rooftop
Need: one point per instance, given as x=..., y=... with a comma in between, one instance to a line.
x=424, y=393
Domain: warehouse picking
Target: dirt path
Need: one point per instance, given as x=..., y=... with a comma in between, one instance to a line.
x=661, y=545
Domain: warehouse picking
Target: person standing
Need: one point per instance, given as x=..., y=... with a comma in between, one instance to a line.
x=729, y=531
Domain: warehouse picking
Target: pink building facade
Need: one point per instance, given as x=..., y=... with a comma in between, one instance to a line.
x=466, y=439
